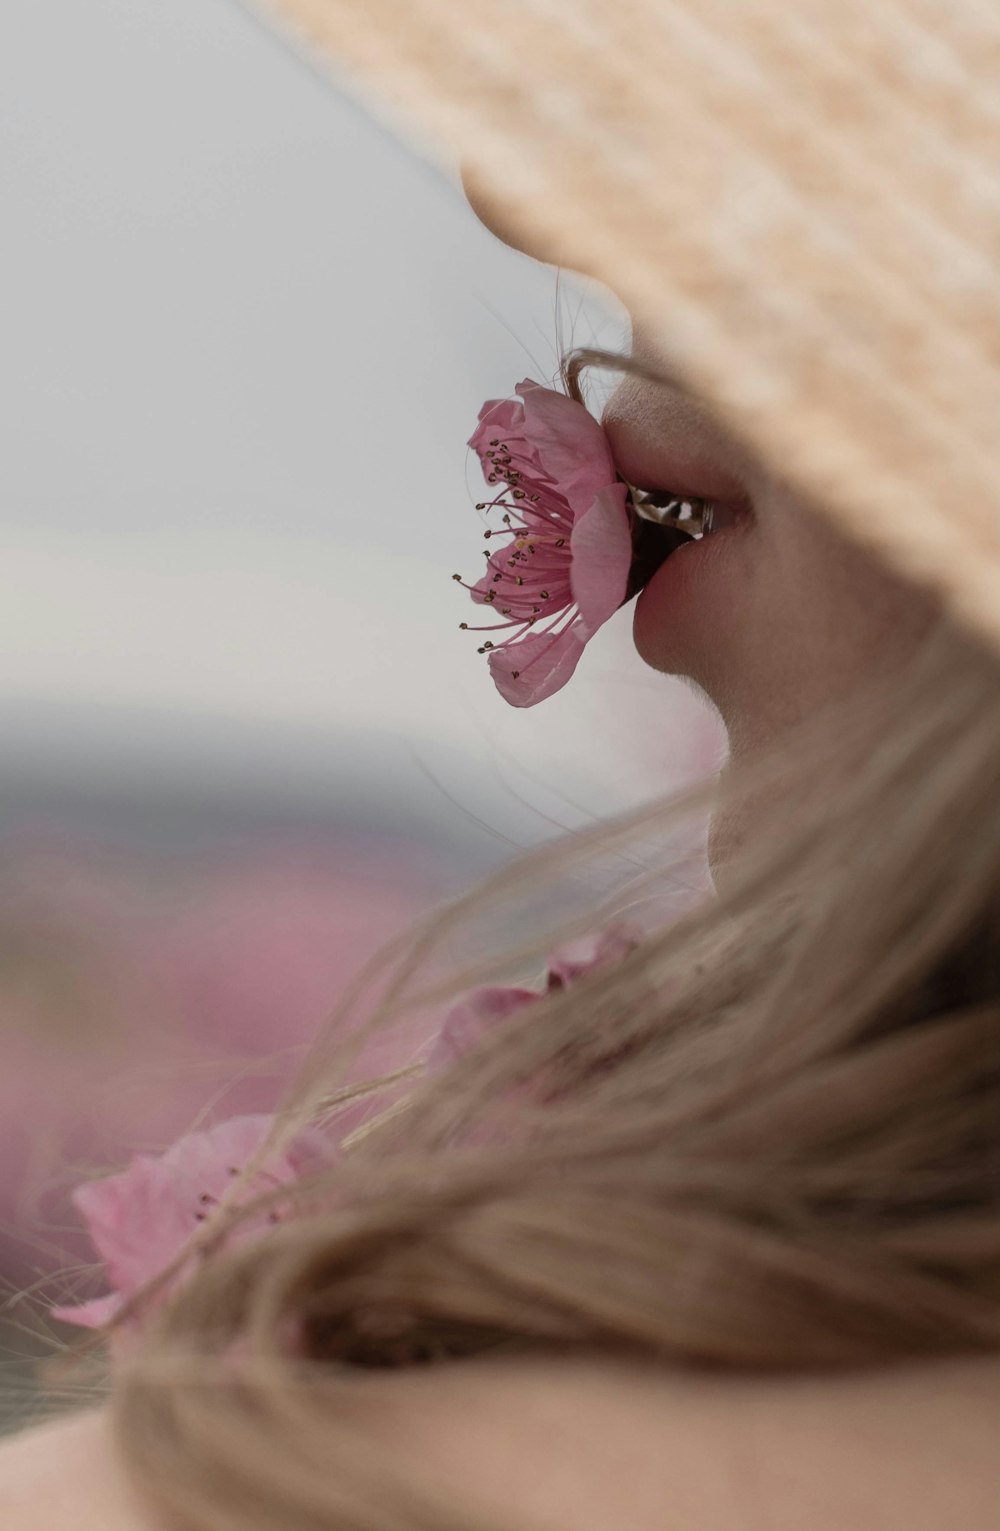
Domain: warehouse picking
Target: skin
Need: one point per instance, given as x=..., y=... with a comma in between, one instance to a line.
x=776, y=616
x=779, y=617
x=582, y=1445
x=784, y=615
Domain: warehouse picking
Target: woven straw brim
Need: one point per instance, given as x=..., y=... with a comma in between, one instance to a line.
x=797, y=199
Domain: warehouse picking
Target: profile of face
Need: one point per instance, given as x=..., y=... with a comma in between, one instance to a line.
x=773, y=614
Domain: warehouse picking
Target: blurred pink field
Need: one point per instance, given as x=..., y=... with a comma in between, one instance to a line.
x=145, y=992
x=137, y=993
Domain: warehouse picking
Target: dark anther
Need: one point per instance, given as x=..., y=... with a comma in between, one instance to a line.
x=463, y=627
x=560, y=542
x=458, y=577
x=491, y=595
x=495, y=442
x=544, y=594
x=514, y=674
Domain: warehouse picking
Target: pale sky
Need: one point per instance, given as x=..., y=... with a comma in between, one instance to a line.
x=245, y=337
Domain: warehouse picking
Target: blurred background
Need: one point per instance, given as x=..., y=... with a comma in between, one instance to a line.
x=245, y=337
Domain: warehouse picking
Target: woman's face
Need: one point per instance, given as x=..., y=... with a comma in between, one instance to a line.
x=772, y=614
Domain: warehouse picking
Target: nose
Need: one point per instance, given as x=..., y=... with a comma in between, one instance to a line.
x=492, y=213
x=501, y=213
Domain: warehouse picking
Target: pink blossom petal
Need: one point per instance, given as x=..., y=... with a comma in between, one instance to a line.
x=140, y=1219
x=563, y=549
x=570, y=443
x=509, y=602
x=89, y=1315
x=537, y=666
x=601, y=544
x=574, y=959
x=483, y=587
x=478, y=1013
x=496, y=417
x=472, y=1018
x=137, y=1220
x=502, y=420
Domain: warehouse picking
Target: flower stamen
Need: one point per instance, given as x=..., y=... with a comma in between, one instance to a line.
x=542, y=492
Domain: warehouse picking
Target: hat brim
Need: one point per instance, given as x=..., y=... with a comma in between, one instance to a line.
x=798, y=205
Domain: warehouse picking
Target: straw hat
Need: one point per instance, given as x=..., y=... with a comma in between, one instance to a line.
x=797, y=199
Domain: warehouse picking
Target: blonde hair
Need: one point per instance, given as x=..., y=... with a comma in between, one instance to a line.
x=767, y=1138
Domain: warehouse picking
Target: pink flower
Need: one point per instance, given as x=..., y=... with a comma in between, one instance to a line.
x=567, y=537
x=140, y=1219
x=476, y=1014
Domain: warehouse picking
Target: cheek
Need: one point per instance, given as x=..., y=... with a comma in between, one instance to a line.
x=837, y=615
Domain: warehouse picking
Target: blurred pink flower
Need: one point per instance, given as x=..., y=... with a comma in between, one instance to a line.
x=140, y=1219
x=568, y=543
x=137, y=986
x=473, y=1017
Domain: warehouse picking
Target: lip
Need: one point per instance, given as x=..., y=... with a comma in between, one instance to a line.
x=654, y=543
x=694, y=552
x=686, y=471
x=688, y=597
x=689, y=609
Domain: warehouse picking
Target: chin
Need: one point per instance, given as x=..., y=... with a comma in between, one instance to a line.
x=662, y=646
x=691, y=619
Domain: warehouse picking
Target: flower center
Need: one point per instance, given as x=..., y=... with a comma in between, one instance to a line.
x=528, y=574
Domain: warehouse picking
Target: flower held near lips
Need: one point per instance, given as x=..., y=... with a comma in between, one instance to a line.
x=562, y=566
